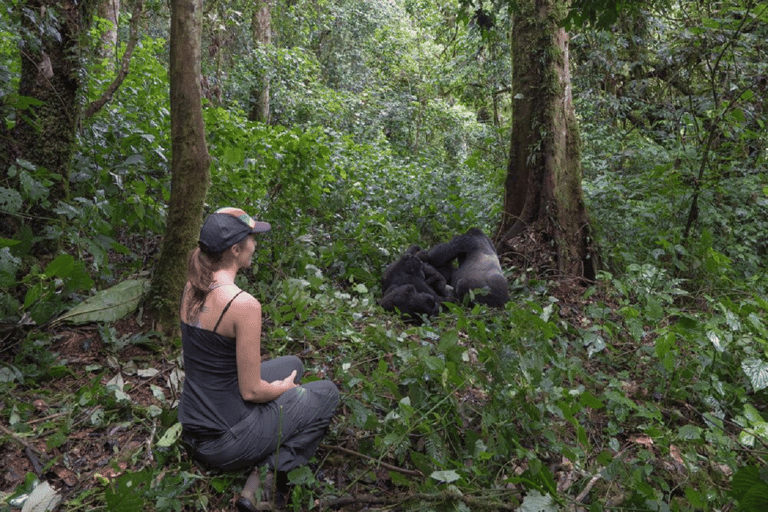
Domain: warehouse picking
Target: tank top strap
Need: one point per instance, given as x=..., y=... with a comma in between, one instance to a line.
x=225, y=309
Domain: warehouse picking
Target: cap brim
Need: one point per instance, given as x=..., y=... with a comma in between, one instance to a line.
x=261, y=227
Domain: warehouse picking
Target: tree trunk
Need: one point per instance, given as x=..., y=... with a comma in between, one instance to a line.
x=262, y=36
x=110, y=11
x=190, y=173
x=543, y=194
x=45, y=135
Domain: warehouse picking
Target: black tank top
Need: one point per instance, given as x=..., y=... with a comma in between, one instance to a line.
x=210, y=400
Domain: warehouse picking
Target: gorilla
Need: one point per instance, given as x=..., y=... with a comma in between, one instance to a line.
x=413, y=287
x=478, y=267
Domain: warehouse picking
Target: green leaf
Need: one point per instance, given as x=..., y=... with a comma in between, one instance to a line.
x=220, y=484
x=60, y=267
x=757, y=371
x=695, y=498
x=110, y=304
x=56, y=439
x=170, y=437
x=127, y=493
x=10, y=200
x=536, y=502
x=9, y=266
x=33, y=293
x=750, y=489
x=752, y=414
x=445, y=476
x=689, y=432
x=716, y=342
x=7, y=242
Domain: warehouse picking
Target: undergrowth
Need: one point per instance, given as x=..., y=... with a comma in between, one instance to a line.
x=644, y=390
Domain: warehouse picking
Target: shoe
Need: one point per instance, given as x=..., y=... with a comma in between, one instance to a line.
x=275, y=490
x=243, y=504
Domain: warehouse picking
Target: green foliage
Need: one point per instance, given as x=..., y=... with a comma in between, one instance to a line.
x=643, y=391
x=693, y=179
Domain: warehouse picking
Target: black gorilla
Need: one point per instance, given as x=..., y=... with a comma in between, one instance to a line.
x=413, y=287
x=478, y=266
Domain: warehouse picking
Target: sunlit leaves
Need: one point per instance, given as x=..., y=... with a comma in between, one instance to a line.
x=757, y=372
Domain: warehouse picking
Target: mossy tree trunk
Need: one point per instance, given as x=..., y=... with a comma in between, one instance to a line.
x=45, y=134
x=543, y=194
x=190, y=173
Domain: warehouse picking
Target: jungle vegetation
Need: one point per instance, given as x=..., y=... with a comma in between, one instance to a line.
x=635, y=379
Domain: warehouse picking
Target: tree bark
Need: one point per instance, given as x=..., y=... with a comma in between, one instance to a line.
x=262, y=36
x=190, y=173
x=45, y=135
x=543, y=194
x=110, y=11
x=125, y=62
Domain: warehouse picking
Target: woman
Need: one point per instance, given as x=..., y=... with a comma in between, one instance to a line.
x=237, y=410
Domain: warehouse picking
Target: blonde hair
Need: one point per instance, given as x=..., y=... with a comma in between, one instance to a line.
x=201, y=265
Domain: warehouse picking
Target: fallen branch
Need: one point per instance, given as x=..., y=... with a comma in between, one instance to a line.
x=472, y=502
x=5, y=430
x=384, y=465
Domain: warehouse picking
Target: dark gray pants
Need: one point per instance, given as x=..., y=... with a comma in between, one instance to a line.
x=283, y=433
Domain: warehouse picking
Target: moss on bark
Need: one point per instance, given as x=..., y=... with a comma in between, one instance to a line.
x=543, y=187
x=189, y=166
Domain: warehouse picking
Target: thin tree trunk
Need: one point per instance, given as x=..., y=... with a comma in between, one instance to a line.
x=190, y=173
x=543, y=193
x=125, y=62
x=110, y=11
x=262, y=36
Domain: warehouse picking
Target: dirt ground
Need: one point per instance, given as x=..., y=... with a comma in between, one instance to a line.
x=88, y=451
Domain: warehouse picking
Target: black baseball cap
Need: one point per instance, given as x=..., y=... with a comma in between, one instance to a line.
x=226, y=227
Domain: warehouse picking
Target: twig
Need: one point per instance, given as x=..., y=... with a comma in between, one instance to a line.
x=21, y=441
x=46, y=418
x=36, y=466
x=390, y=467
x=472, y=502
x=592, y=482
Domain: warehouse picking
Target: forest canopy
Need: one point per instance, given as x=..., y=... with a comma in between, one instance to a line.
x=358, y=128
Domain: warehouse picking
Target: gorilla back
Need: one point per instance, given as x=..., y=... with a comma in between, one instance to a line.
x=478, y=268
x=413, y=287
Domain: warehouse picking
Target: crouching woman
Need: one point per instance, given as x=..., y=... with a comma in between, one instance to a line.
x=237, y=411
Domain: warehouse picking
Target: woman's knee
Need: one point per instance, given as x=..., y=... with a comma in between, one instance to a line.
x=326, y=391
x=281, y=367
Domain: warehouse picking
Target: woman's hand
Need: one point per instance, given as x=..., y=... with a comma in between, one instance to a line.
x=289, y=381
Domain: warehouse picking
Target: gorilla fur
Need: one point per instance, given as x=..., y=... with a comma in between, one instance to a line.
x=478, y=267
x=413, y=287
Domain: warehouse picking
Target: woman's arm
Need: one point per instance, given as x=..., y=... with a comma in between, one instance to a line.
x=247, y=318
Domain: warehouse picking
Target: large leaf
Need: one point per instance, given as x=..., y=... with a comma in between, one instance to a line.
x=110, y=304
x=42, y=499
x=757, y=371
x=536, y=502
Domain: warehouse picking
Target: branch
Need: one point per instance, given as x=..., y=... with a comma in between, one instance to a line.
x=21, y=441
x=133, y=39
x=472, y=502
x=390, y=467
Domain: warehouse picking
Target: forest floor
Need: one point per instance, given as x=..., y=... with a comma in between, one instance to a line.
x=96, y=410
x=79, y=438
x=90, y=457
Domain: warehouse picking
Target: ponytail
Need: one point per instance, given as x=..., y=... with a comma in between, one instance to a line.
x=200, y=268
